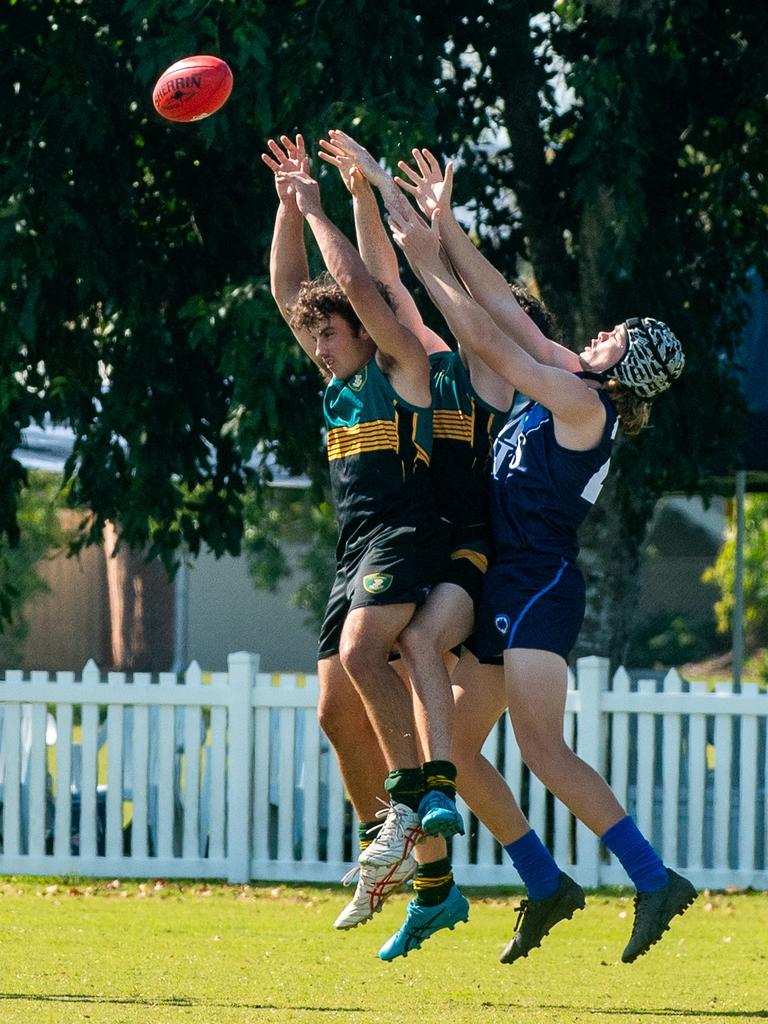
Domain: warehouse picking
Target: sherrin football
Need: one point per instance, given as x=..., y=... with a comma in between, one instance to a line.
x=192, y=88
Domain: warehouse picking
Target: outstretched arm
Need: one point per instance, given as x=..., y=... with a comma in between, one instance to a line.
x=568, y=397
x=288, y=266
x=359, y=171
x=487, y=286
x=397, y=345
x=340, y=142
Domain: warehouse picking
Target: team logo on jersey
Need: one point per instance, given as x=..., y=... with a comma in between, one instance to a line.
x=377, y=582
x=501, y=622
x=357, y=380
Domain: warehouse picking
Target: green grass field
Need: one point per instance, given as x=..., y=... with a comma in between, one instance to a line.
x=124, y=953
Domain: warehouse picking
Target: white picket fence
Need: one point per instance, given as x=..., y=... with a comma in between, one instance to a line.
x=228, y=776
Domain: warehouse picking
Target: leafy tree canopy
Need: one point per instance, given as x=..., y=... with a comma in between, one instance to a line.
x=20, y=578
x=617, y=147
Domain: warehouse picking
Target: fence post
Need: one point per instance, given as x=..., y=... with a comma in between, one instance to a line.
x=243, y=668
x=592, y=678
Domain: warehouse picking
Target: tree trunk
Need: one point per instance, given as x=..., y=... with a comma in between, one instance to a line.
x=139, y=631
x=610, y=545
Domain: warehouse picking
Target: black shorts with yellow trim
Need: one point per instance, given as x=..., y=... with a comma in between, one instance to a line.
x=466, y=567
x=396, y=565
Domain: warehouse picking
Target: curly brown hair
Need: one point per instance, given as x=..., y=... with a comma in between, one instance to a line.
x=320, y=299
x=544, y=318
x=632, y=410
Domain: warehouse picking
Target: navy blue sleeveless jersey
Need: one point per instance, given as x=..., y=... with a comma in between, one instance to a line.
x=541, y=492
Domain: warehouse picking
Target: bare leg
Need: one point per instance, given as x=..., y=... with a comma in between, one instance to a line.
x=367, y=640
x=442, y=622
x=345, y=722
x=478, y=691
x=536, y=691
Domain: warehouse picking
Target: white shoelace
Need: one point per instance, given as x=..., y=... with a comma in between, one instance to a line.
x=350, y=876
x=392, y=826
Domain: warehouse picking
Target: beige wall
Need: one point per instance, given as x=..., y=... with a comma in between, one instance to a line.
x=684, y=539
x=118, y=611
x=66, y=625
x=227, y=613
x=72, y=622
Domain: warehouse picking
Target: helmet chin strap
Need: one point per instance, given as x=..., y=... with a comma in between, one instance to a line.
x=601, y=378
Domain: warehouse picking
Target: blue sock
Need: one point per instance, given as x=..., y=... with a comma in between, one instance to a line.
x=637, y=856
x=535, y=865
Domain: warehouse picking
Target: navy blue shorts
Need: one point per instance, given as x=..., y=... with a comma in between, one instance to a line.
x=538, y=605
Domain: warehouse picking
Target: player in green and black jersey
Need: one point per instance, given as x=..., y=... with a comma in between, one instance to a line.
x=467, y=415
x=378, y=418
x=464, y=428
x=379, y=450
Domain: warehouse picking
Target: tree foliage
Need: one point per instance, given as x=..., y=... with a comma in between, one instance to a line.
x=20, y=578
x=617, y=148
x=279, y=520
x=723, y=573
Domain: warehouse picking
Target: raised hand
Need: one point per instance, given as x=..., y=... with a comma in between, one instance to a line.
x=286, y=159
x=419, y=240
x=354, y=180
x=431, y=188
x=303, y=187
x=340, y=148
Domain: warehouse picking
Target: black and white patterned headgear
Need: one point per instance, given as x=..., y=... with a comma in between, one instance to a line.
x=652, y=360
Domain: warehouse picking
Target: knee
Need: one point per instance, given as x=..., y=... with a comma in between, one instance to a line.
x=540, y=753
x=352, y=656
x=465, y=745
x=340, y=711
x=359, y=654
x=329, y=714
x=341, y=716
x=465, y=757
x=417, y=646
x=533, y=757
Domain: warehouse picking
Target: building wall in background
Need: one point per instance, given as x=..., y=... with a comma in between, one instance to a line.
x=76, y=620
x=67, y=624
x=227, y=613
x=684, y=539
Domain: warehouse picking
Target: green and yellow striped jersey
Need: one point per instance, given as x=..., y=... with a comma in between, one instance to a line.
x=464, y=429
x=379, y=449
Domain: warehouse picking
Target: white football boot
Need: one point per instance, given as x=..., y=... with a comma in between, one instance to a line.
x=396, y=838
x=374, y=885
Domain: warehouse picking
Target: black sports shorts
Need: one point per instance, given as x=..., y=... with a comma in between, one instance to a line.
x=467, y=565
x=396, y=565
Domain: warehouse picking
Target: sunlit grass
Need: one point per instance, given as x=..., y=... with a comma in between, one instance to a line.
x=194, y=952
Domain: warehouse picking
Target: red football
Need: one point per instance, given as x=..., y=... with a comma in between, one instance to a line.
x=192, y=88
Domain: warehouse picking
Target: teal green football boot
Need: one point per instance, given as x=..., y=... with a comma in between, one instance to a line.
x=421, y=922
x=439, y=815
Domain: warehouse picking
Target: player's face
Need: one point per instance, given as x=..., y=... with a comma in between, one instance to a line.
x=605, y=350
x=342, y=350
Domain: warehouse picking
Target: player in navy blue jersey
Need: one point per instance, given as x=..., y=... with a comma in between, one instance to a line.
x=549, y=466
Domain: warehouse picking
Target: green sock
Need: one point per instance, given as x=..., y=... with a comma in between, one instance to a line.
x=433, y=882
x=364, y=834
x=440, y=775
x=405, y=786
